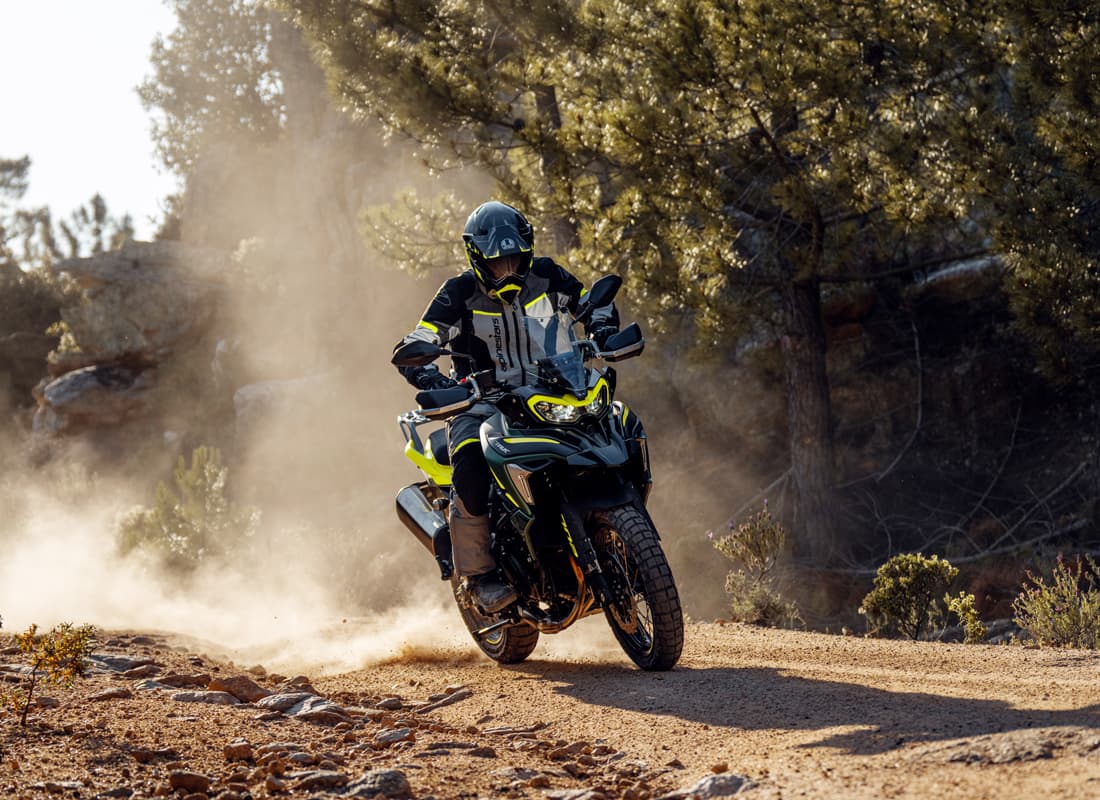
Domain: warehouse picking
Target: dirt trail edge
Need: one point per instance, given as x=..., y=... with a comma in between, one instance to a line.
x=765, y=714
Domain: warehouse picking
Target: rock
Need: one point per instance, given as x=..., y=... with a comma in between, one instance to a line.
x=453, y=697
x=177, y=681
x=121, y=791
x=321, y=716
x=318, y=710
x=317, y=779
x=274, y=786
x=256, y=403
x=577, y=794
x=390, y=783
x=143, y=300
x=514, y=774
x=284, y=701
x=115, y=663
x=568, y=751
x=390, y=704
x=243, y=688
x=214, y=698
x=146, y=756
x=60, y=787
x=121, y=693
x=151, y=686
x=390, y=736
x=189, y=781
x=279, y=747
x=483, y=752
x=724, y=785
x=238, y=750
x=91, y=397
x=145, y=671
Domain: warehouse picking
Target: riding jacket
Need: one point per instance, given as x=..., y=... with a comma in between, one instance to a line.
x=508, y=338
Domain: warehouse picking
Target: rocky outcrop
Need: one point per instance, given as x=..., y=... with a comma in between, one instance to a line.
x=93, y=396
x=141, y=302
x=140, y=305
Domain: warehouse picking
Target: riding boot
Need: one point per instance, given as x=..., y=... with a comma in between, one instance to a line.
x=474, y=561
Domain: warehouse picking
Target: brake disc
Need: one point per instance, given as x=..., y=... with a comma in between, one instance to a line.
x=626, y=618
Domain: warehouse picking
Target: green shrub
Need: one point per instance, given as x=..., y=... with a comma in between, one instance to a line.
x=193, y=522
x=756, y=545
x=962, y=606
x=56, y=658
x=31, y=300
x=907, y=593
x=1065, y=613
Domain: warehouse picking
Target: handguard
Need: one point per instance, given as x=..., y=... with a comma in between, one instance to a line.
x=438, y=403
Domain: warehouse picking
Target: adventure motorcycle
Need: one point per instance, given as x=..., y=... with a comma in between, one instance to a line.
x=570, y=530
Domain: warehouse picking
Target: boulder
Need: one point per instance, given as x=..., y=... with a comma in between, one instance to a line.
x=243, y=688
x=143, y=300
x=91, y=397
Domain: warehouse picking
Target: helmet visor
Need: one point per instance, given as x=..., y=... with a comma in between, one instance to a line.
x=501, y=240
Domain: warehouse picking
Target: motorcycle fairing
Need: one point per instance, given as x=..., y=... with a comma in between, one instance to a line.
x=425, y=459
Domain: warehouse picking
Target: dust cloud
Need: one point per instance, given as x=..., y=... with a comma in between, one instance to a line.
x=293, y=384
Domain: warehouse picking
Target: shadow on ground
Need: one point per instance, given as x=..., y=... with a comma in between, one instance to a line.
x=759, y=699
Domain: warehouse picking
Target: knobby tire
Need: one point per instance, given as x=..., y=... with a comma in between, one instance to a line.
x=650, y=601
x=509, y=645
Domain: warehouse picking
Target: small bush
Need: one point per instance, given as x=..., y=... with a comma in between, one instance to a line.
x=962, y=606
x=757, y=544
x=193, y=522
x=1065, y=613
x=56, y=658
x=907, y=593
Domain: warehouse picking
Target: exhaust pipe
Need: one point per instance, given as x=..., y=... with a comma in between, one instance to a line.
x=427, y=525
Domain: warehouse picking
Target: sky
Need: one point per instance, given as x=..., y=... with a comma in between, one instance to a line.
x=68, y=72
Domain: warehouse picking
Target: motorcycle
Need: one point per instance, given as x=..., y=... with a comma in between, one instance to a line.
x=571, y=476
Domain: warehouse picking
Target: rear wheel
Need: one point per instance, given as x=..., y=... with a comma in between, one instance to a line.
x=508, y=645
x=645, y=614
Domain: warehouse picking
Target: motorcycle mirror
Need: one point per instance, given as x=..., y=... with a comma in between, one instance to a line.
x=416, y=354
x=601, y=294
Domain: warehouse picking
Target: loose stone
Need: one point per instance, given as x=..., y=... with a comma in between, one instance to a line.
x=189, y=781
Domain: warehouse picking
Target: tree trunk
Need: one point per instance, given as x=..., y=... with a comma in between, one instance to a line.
x=808, y=414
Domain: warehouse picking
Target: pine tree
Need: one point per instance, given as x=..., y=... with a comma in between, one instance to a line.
x=728, y=158
x=213, y=80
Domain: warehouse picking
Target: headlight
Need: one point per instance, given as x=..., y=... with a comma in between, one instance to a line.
x=558, y=412
x=599, y=402
x=562, y=413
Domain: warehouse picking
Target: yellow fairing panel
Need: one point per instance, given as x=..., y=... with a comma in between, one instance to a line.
x=439, y=473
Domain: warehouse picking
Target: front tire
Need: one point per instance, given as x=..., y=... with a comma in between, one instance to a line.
x=509, y=645
x=645, y=613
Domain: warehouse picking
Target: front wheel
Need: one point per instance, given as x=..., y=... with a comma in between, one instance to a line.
x=644, y=611
x=509, y=645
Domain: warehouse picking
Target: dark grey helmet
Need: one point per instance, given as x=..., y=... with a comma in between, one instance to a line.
x=494, y=230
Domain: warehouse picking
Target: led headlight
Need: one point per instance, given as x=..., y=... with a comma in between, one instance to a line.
x=599, y=402
x=560, y=413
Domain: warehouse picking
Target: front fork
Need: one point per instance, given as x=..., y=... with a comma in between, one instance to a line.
x=584, y=550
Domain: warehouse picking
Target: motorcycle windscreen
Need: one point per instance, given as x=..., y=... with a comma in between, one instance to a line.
x=555, y=355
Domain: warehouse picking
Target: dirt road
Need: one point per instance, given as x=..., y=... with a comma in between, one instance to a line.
x=799, y=715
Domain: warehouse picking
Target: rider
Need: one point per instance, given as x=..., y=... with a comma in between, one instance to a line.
x=487, y=313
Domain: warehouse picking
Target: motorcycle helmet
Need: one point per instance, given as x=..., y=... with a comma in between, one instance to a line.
x=496, y=230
